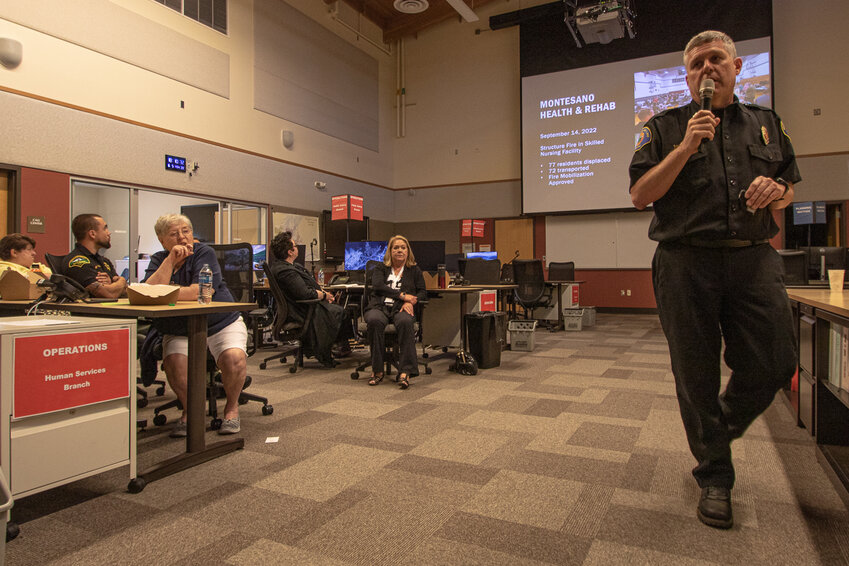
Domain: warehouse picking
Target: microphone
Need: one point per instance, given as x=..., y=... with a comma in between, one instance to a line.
x=706, y=93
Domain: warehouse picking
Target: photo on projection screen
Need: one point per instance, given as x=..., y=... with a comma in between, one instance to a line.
x=580, y=127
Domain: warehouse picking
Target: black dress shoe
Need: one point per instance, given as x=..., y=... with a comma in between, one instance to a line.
x=715, y=507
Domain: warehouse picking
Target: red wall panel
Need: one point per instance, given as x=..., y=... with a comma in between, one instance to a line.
x=47, y=194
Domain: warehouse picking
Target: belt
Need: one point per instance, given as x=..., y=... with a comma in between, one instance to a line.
x=699, y=243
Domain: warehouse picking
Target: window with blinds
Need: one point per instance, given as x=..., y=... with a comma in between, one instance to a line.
x=212, y=13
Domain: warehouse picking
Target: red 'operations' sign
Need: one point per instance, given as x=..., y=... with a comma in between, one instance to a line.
x=61, y=371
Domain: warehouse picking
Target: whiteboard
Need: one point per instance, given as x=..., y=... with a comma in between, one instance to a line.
x=304, y=230
x=600, y=241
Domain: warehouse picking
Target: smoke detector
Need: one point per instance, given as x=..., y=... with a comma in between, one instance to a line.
x=411, y=6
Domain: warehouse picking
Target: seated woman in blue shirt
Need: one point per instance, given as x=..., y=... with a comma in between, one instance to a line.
x=397, y=286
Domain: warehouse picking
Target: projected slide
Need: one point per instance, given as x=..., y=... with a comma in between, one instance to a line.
x=579, y=126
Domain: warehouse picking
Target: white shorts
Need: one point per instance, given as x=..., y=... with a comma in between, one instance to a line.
x=234, y=335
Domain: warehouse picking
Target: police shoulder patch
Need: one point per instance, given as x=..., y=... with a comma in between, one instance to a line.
x=78, y=261
x=645, y=138
x=783, y=131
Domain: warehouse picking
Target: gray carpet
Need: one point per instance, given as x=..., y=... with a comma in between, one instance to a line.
x=571, y=454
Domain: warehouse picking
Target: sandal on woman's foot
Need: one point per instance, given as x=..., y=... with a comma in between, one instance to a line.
x=403, y=381
x=375, y=378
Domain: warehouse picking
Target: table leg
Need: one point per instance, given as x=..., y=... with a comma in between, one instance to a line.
x=560, y=323
x=196, y=450
x=463, y=338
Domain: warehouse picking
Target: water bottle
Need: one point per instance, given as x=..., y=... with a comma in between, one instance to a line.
x=205, y=285
x=441, y=276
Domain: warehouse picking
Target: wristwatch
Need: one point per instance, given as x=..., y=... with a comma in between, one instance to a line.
x=781, y=181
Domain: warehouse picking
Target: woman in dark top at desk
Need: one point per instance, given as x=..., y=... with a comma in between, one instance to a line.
x=298, y=285
x=396, y=286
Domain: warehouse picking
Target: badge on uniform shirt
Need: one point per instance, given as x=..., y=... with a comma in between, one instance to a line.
x=764, y=135
x=645, y=138
x=78, y=261
x=783, y=131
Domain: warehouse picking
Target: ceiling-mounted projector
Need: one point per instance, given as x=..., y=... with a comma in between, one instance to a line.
x=599, y=22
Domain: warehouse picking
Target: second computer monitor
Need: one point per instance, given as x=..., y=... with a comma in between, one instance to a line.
x=430, y=254
x=357, y=254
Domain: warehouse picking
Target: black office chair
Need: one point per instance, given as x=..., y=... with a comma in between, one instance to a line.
x=54, y=262
x=391, y=355
x=532, y=292
x=561, y=271
x=289, y=330
x=479, y=271
x=236, y=263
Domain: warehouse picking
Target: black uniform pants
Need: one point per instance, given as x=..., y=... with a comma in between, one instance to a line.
x=377, y=319
x=705, y=295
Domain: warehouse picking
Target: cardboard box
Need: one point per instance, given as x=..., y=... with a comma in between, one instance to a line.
x=144, y=294
x=15, y=286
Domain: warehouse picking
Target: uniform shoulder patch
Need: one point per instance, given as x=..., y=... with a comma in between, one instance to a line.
x=645, y=138
x=78, y=261
x=783, y=131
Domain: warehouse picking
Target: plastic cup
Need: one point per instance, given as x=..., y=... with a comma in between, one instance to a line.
x=835, y=280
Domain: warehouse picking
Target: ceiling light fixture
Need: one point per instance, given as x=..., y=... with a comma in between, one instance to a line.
x=411, y=6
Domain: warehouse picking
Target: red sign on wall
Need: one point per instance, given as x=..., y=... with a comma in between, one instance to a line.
x=62, y=371
x=477, y=228
x=356, y=208
x=466, y=230
x=339, y=207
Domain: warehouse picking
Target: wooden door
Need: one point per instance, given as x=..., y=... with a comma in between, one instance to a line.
x=512, y=235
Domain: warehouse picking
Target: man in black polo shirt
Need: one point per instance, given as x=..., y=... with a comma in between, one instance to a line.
x=90, y=269
x=715, y=177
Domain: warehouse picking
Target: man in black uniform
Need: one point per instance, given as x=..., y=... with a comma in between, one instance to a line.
x=715, y=177
x=90, y=269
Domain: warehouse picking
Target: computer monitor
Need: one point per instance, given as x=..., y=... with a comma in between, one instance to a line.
x=482, y=255
x=452, y=263
x=430, y=254
x=795, y=266
x=829, y=257
x=358, y=253
x=259, y=256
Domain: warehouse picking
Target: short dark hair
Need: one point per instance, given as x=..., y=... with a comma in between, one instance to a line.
x=15, y=242
x=281, y=245
x=82, y=223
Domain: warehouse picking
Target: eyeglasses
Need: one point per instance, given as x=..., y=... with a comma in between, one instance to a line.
x=184, y=231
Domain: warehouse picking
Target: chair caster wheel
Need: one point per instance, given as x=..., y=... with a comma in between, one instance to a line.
x=141, y=403
x=242, y=401
x=444, y=349
x=160, y=420
x=136, y=485
x=355, y=375
x=425, y=355
x=215, y=424
x=160, y=391
x=267, y=410
x=262, y=365
x=293, y=369
x=12, y=530
x=428, y=371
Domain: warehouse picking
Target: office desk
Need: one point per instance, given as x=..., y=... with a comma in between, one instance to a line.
x=196, y=450
x=463, y=291
x=559, y=284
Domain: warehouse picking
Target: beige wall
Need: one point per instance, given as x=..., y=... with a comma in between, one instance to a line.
x=462, y=114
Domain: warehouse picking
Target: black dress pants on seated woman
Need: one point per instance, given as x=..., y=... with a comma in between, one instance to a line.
x=377, y=318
